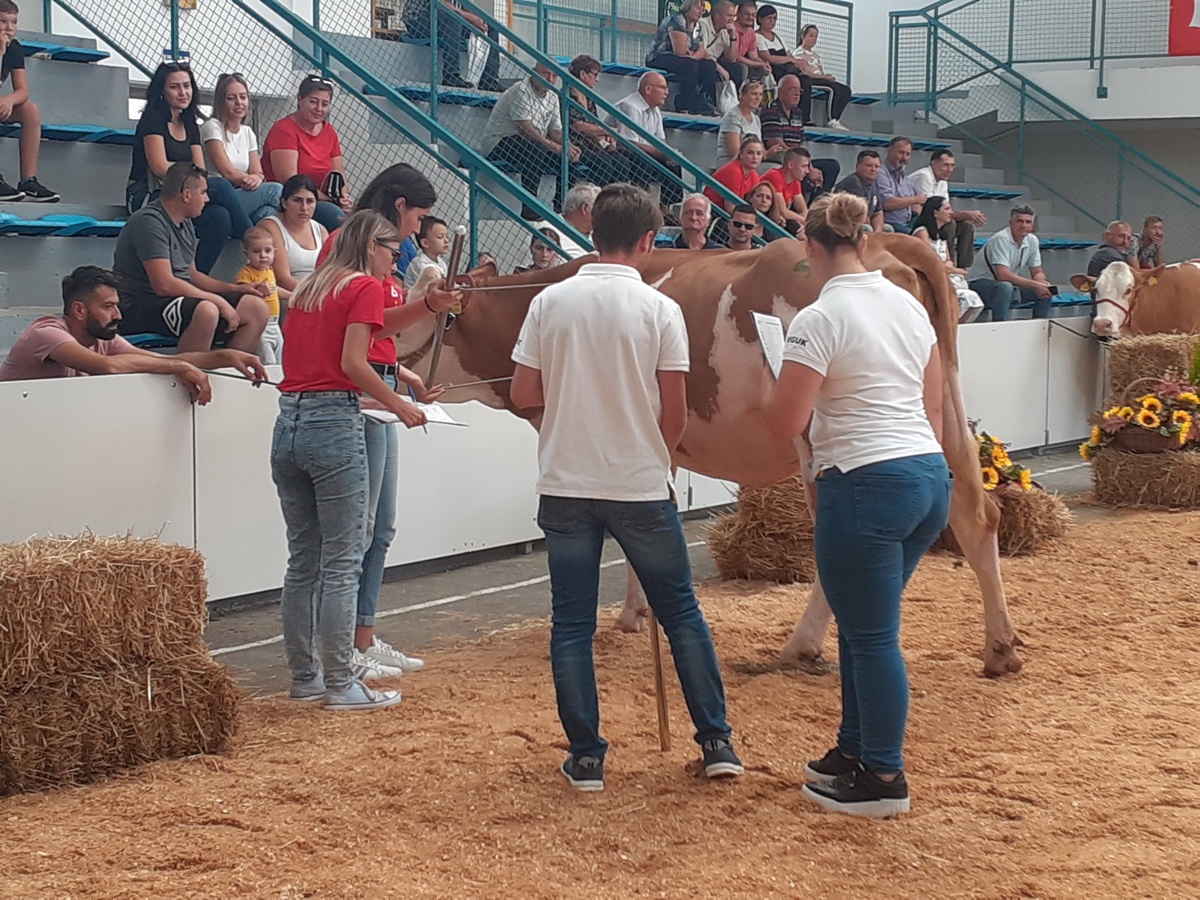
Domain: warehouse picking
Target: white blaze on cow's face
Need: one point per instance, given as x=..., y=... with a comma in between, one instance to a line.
x=1114, y=296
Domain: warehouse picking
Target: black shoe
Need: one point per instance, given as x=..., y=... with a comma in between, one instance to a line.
x=830, y=766
x=585, y=773
x=860, y=793
x=809, y=123
x=36, y=192
x=705, y=110
x=8, y=192
x=528, y=214
x=492, y=86
x=453, y=81
x=719, y=759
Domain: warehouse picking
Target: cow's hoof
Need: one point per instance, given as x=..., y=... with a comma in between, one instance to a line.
x=632, y=620
x=1001, y=659
x=809, y=665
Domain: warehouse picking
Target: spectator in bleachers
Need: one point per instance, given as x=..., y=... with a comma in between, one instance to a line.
x=740, y=121
x=761, y=199
x=1009, y=270
x=745, y=49
x=542, y=252
x=783, y=128
x=298, y=237
x=644, y=108
x=1114, y=247
x=719, y=39
x=743, y=222
x=304, y=143
x=902, y=202
x=929, y=227
x=677, y=50
x=164, y=292
x=231, y=148
x=434, y=240
x=258, y=247
x=741, y=175
x=455, y=25
x=695, y=215
x=862, y=183
x=1147, y=249
x=168, y=132
x=84, y=341
x=771, y=47
x=524, y=130
x=810, y=64
x=17, y=108
x=599, y=148
x=787, y=182
x=959, y=232
x=577, y=212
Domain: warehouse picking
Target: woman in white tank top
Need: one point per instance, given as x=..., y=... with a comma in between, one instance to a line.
x=298, y=236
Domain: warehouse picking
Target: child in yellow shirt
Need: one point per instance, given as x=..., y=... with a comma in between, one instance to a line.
x=259, y=250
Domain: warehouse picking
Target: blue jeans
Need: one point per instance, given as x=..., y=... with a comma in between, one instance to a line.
x=651, y=536
x=873, y=526
x=999, y=297
x=329, y=214
x=261, y=202
x=382, y=443
x=319, y=466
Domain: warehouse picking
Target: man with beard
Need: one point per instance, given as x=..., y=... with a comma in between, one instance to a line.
x=84, y=341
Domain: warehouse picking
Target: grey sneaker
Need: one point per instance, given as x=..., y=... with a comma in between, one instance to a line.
x=585, y=773
x=358, y=696
x=719, y=759
x=365, y=668
x=387, y=655
x=308, y=691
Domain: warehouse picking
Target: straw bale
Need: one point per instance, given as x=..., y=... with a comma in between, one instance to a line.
x=1029, y=520
x=1169, y=480
x=73, y=729
x=769, y=537
x=96, y=599
x=1148, y=356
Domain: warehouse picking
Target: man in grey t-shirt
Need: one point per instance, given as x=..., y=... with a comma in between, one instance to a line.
x=162, y=292
x=1117, y=240
x=862, y=184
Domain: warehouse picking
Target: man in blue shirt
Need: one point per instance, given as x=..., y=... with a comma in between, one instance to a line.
x=1009, y=270
x=901, y=202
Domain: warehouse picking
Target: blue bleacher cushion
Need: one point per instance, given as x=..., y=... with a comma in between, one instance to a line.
x=151, y=341
x=89, y=134
x=974, y=193
x=59, y=53
x=1051, y=243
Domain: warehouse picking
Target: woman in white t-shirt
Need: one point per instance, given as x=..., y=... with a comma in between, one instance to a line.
x=809, y=61
x=771, y=46
x=862, y=363
x=231, y=148
x=297, y=235
x=935, y=215
x=739, y=122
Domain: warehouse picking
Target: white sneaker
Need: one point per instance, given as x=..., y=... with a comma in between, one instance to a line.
x=367, y=668
x=836, y=125
x=358, y=696
x=385, y=654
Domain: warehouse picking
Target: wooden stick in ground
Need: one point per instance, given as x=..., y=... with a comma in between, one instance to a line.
x=660, y=688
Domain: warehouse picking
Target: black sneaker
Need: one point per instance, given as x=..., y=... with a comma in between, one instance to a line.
x=830, y=766
x=860, y=793
x=36, y=192
x=585, y=773
x=494, y=86
x=456, y=82
x=719, y=759
x=8, y=192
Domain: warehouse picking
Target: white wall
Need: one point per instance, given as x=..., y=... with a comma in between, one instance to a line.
x=1164, y=89
x=870, y=50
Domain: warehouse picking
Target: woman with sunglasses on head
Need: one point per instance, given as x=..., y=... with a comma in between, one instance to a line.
x=319, y=459
x=304, y=143
x=231, y=148
x=168, y=132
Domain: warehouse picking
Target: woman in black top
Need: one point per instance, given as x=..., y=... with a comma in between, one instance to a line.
x=168, y=132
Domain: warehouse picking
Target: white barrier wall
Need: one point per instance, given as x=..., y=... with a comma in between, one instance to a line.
x=128, y=453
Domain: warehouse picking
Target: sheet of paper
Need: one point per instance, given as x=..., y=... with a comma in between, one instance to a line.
x=435, y=414
x=770, y=335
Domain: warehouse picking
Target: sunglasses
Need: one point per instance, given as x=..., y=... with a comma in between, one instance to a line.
x=749, y=226
x=231, y=75
x=396, y=252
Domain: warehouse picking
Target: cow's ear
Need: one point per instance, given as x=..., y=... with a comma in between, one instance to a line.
x=1151, y=277
x=1082, y=283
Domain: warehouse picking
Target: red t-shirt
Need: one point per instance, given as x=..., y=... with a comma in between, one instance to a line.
x=734, y=177
x=313, y=362
x=383, y=350
x=315, y=151
x=776, y=179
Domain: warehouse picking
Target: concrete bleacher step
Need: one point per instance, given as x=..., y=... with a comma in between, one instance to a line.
x=87, y=174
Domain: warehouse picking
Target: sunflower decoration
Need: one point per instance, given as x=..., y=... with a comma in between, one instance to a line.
x=1170, y=410
x=998, y=468
x=1149, y=419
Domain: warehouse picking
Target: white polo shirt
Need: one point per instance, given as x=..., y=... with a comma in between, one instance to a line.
x=521, y=103
x=872, y=341
x=600, y=338
x=640, y=112
x=929, y=184
x=1002, y=250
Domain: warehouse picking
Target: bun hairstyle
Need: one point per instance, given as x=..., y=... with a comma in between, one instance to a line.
x=837, y=220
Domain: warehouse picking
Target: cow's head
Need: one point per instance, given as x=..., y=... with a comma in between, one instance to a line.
x=1116, y=293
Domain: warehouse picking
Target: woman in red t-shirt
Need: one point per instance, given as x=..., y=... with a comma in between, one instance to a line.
x=741, y=175
x=305, y=144
x=319, y=458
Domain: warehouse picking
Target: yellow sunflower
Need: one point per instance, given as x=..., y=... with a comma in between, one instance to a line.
x=1114, y=411
x=1152, y=403
x=1000, y=457
x=991, y=478
x=1026, y=480
x=1147, y=419
x=1181, y=417
x=1096, y=435
x=1086, y=452
x=1126, y=413
x=1189, y=397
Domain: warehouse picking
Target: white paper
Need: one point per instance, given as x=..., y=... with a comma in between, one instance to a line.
x=435, y=414
x=770, y=336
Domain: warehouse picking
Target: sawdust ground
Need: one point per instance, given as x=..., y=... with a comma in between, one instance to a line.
x=1076, y=778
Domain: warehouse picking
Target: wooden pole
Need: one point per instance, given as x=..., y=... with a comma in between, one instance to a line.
x=660, y=688
x=439, y=332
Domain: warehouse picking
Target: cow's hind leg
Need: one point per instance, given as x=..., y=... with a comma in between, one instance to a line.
x=975, y=530
x=803, y=649
x=633, y=617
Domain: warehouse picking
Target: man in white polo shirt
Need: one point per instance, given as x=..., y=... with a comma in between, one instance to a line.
x=644, y=108
x=605, y=355
x=959, y=232
x=1009, y=270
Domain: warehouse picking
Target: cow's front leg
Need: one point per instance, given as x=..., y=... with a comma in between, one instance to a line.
x=804, y=648
x=633, y=617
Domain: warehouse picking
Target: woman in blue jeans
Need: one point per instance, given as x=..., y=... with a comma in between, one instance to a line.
x=319, y=459
x=862, y=364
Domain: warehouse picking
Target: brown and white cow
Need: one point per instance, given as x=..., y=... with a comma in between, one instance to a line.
x=1144, y=301
x=726, y=436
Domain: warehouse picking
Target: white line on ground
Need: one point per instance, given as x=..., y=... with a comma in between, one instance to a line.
x=428, y=604
x=1060, y=469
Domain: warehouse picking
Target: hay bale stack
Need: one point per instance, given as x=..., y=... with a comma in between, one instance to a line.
x=102, y=661
x=769, y=538
x=1148, y=356
x=1029, y=520
x=1168, y=480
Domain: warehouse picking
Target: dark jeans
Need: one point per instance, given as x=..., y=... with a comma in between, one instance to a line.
x=651, y=536
x=453, y=32
x=873, y=526
x=643, y=171
x=830, y=169
x=697, y=80
x=838, y=102
x=603, y=166
x=329, y=214
x=532, y=161
x=960, y=242
x=222, y=218
x=999, y=296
